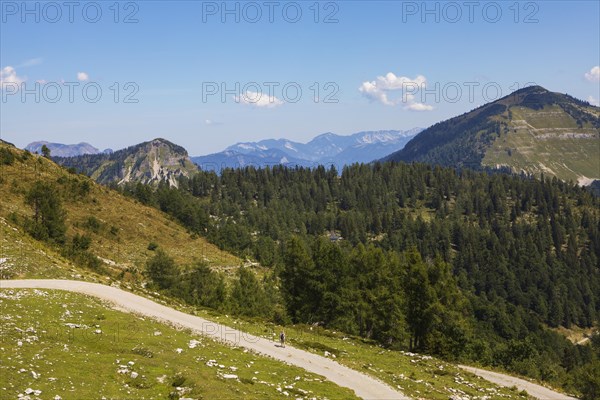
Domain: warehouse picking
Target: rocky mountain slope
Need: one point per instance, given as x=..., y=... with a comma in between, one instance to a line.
x=150, y=163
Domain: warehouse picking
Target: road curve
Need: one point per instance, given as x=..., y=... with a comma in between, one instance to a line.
x=364, y=386
x=537, y=391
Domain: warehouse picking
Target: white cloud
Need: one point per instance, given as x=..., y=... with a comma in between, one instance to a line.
x=380, y=89
x=260, y=100
x=594, y=74
x=593, y=101
x=419, y=107
x=82, y=76
x=211, y=122
x=8, y=76
x=30, y=63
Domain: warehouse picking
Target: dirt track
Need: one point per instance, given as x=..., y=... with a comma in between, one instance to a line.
x=363, y=385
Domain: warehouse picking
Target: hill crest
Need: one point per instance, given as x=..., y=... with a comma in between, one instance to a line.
x=532, y=131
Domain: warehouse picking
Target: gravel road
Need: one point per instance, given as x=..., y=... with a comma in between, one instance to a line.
x=364, y=386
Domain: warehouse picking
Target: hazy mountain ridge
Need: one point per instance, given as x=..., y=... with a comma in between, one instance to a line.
x=532, y=130
x=327, y=148
x=150, y=163
x=65, y=150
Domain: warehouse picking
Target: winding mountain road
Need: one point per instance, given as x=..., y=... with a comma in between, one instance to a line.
x=364, y=386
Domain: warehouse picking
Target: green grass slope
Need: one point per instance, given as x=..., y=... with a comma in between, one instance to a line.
x=120, y=228
x=72, y=346
x=547, y=141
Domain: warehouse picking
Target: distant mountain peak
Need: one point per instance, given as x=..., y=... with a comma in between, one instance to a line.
x=62, y=150
x=152, y=162
x=327, y=148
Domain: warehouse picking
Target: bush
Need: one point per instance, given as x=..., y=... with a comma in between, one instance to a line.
x=162, y=270
x=93, y=224
x=81, y=243
x=6, y=157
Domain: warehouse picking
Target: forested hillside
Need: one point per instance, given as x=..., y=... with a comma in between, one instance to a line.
x=463, y=265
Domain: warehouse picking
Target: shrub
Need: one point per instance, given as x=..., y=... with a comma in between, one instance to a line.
x=6, y=157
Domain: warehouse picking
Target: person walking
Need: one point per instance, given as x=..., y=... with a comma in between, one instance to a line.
x=282, y=339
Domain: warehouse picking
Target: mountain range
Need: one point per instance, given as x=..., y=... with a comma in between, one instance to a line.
x=532, y=130
x=325, y=149
x=65, y=150
x=162, y=161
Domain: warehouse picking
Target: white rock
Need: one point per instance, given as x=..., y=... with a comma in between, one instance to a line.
x=179, y=351
x=157, y=333
x=28, y=391
x=230, y=376
x=131, y=363
x=57, y=397
x=134, y=374
x=19, y=343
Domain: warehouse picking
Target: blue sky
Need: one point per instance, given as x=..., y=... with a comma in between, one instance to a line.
x=377, y=65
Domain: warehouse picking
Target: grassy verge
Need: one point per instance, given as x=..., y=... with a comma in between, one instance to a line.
x=73, y=346
x=418, y=376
